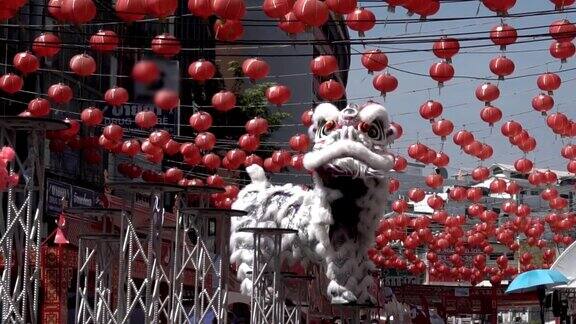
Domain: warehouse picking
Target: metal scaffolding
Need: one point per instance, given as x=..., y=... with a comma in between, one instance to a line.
x=267, y=304
x=21, y=222
x=142, y=247
x=297, y=297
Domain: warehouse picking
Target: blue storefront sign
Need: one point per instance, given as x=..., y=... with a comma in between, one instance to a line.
x=75, y=196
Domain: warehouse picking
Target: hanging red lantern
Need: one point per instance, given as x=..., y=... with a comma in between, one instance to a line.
x=205, y=141
x=513, y=188
x=430, y=110
x=171, y=147
x=491, y=115
x=516, y=140
x=200, y=121
x=441, y=72
x=487, y=93
x=11, y=83
x=562, y=30
x=474, y=194
x=224, y=101
x=166, y=45
x=374, y=60
x=270, y=166
x=39, y=107
x=457, y=193
x=569, y=151
x=189, y=150
x=480, y=174
x=235, y=158
x=549, y=82
x=91, y=116
x=229, y=9
x=511, y=128
x=113, y=132
x=557, y=122
x=562, y=50
x=571, y=166
x=502, y=66
x=441, y=160
x=131, y=147
x=26, y=62
x=397, y=128
x=201, y=70
x=145, y=71
x=161, y=8
x=173, y=175
x=485, y=153
x=200, y=8
x=83, y=65
x=561, y=4
x=256, y=126
x=146, y=119
x=78, y=11
x=416, y=194
x=435, y=202
x=392, y=4
x=55, y=10
x=543, y=103
x=399, y=206
x=558, y=203
x=528, y=145
x=463, y=138
x=281, y=158
x=255, y=159
x=503, y=35
x=47, y=44
x=417, y=151
x=342, y=7
x=277, y=8
x=434, y=180
x=473, y=148
x=311, y=12
x=324, y=65
x=384, y=83
x=498, y=186
x=130, y=10
x=211, y=161
x=549, y=194
x=291, y=25
x=550, y=177
x=248, y=142
x=60, y=93
x=116, y=96
x=255, y=69
x=278, y=94
x=442, y=128
x=400, y=163
x=166, y=99
x=393, y=184
x=361, y=20
x=500, y=7
x=299, y=143
x=228, y=30
x=446, y=48
x=523, y=165
x=331, y=90
x=104, y=41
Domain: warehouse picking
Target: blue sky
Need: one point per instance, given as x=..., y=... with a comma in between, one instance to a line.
x=457, y=97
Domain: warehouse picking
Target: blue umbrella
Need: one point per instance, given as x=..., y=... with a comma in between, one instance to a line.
x=537, y=280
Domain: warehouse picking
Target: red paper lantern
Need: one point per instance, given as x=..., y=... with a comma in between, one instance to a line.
x=480, y=174
x=131, y=147
x=400, y=163
x=571, y=166
x=270, y=166
x=549, y=194
x=104, y=41
x=446, y=48
x=487, y=93
x=235, y=158
x=549, y=82
x=228, y=30
x=200, y=8
x=361, y=20
x=498, y=186
x=39, y=107
x=562, y=50
x=290, y=24
x=562, y=30
x=557, y=122
x=441, y=72
x=430, y=110
x=523, y=165
x=113, y=132
x=116, y=96
x=385, y=83
x=224, y=101
x=249, y=143
x=255, y=159
x=434, y=180
x=130, y=10
x=500, y=7
x=145, y=71
x=516, y=140
x=201, y=70
x=11, y=83
x=60, y=93
x=229, y=9
x=474, y=194
x=374, y=60
x=502, y=66
x=527, y=145
x=256, y=126
x=171, y=147
x=561, y=4
x=463, y=138
x=54, y=9
x=91, y=116
x=278, y=94
x=277, y=8
x=457, y=193
x=342, y=7
x=166, y=99
x=146, y=119
x=201, y=121
x=189, y=150
x=161, y=8
x=47, y=44
x=511, y=128
x=211, y=161
x=399, y=206
x=205, y=141
x=26, y=62
x=331, y=90
x=311, y=12
x=569, y=151
x=299, y=142
x=442, y=128
x=491, y=115
x=416, y=194
x=83, y=65
x=397, y=128
x=255, y=69
x=173, y=175
x=323, y=65
x=417, y=151
x=543, y=103
x=281, y=158
x=166, y=45
x=78, y=11
x=441, y=160
x=435, y=202
x=503, y=35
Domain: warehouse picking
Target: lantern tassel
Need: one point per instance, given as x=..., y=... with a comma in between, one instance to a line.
x=551, y=93
x=361, y=34
x=60, y=238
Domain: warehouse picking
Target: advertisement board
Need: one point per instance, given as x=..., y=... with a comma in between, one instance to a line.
x=76, y=196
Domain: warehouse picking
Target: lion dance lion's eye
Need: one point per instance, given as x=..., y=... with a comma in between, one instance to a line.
x=364, y=127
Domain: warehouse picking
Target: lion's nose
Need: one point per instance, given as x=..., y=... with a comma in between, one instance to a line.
x=349, y=113
x=349, y=133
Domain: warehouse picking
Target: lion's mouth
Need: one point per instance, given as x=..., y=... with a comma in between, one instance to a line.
x=350, y=154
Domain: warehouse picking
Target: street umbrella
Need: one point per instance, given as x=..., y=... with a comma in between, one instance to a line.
x=537, y=280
